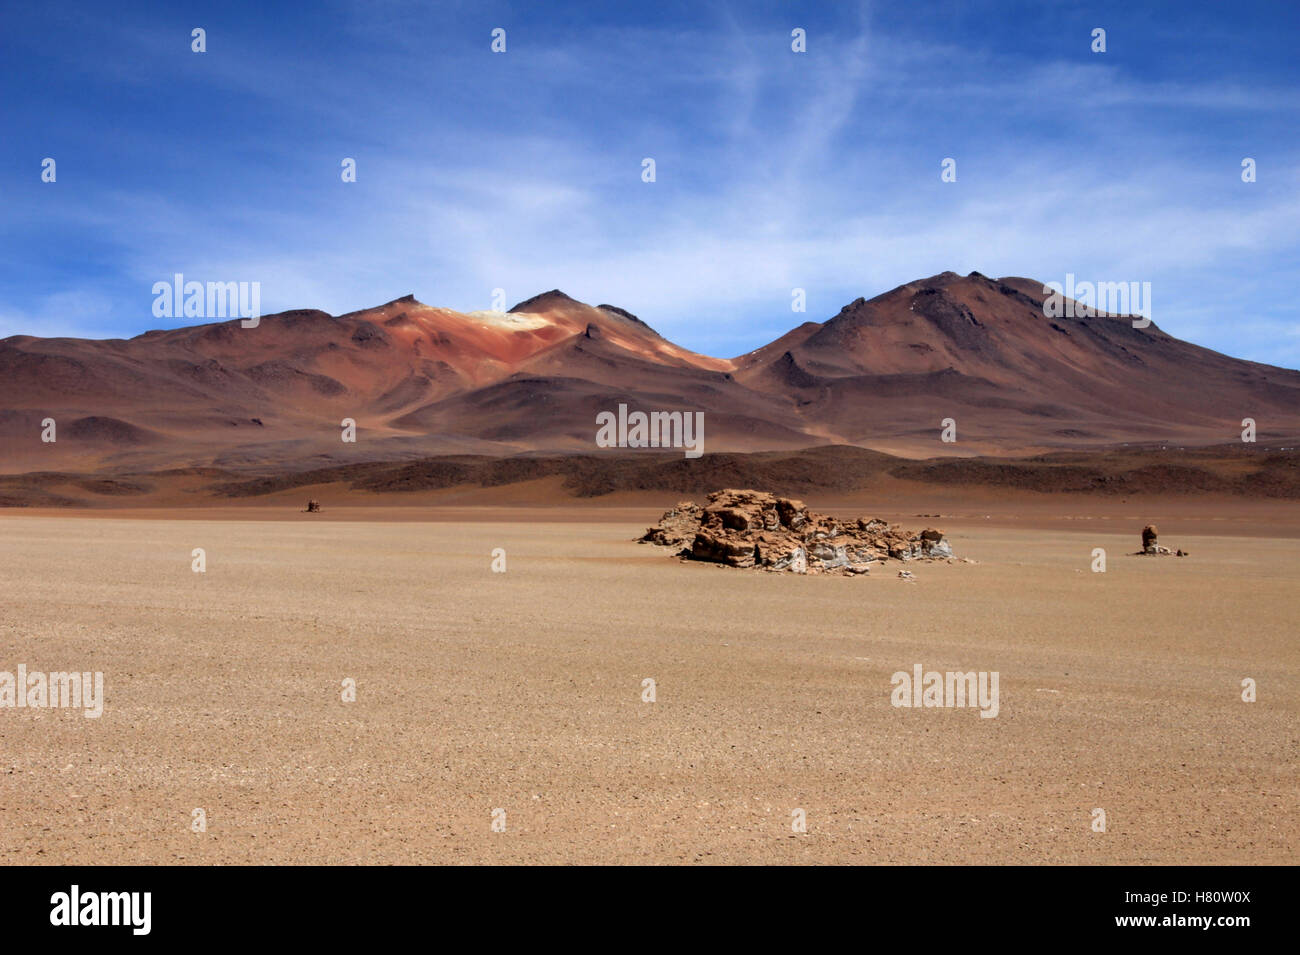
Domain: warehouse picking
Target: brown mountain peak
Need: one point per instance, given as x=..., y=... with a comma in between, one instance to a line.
x=550, y=299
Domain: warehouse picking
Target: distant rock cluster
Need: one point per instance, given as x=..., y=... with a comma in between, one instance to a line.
x=1151, y=546
x=755, y=529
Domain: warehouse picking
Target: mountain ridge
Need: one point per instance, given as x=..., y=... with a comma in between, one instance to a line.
x=421, y=380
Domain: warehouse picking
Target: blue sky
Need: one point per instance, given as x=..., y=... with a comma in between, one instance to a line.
x=775, y=170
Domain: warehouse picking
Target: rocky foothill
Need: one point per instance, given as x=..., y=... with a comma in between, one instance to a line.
x=754, y=529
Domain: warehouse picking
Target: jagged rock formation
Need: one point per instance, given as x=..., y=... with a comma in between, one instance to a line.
x=754, y=529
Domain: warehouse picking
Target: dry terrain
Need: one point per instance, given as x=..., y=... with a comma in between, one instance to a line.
x=523, y=690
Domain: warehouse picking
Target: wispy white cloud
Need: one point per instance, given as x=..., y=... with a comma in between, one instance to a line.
x=776, y=170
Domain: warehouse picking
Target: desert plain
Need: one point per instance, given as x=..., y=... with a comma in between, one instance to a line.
x=523, y=691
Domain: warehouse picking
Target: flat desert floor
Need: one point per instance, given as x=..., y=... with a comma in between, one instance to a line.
x=522, y=691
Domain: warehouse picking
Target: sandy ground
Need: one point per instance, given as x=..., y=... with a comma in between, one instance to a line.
x=523, y=691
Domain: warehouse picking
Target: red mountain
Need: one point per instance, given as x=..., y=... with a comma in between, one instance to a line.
x=420, y=380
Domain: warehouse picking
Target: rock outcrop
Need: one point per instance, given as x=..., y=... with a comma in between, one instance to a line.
x=1152, y=548
x=754, y=529
x=677, y=527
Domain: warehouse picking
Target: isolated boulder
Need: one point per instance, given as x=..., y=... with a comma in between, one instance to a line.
x=1152, y=548
x=1149, y=534
x=755, y=529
